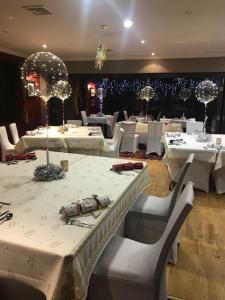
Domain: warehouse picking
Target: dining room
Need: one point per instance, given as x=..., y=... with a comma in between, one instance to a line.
x=112, y=157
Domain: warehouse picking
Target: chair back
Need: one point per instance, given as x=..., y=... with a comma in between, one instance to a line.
x=14, y=132
x=178, y=188
x=154, y=129
x=125, y=115
x=116, y=130
x=84, y=117
x=115, y=117
x=163, y=245
x=159, y=116
x=74, y=122
x=5, y=143
x=192, y=127
x=129, y=128
x=117, y=142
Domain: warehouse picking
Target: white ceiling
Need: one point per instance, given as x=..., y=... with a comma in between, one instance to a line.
x=74, y=28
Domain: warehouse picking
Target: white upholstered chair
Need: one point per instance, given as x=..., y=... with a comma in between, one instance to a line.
x=131, y=270
x=115, y=117
x=113, y=150
x=219, y=173
x=154, y=138
x=115, y=134
x=195, y=126
x=6, y=146
x=125, y=115
x=84, y=118
x=130, y=139
x=147, y=219
x=74, y=122
x=14, y=133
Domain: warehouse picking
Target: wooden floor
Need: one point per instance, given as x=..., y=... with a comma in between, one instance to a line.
x=200, y=271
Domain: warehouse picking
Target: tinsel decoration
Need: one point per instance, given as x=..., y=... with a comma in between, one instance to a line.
x=100, y=56
x=48, y=172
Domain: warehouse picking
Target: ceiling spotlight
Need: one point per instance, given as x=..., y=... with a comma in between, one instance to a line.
x=44, y=46
x=127, y=23
x=153, y=53
x=143, y=41
x=104, y=27
x=10, y=17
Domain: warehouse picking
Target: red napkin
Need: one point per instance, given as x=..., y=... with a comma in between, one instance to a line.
x=127, y=166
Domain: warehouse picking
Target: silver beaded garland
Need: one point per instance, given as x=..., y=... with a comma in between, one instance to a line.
x=48, y=172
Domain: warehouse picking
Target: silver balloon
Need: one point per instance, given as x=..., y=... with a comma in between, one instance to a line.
x=62, y=89
x=206, y=91
x=43, y=70
x=185, y=94
x=146, y=93
x=100, y=93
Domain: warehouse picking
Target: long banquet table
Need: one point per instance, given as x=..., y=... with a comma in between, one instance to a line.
x=74, y=140
x=37, y=247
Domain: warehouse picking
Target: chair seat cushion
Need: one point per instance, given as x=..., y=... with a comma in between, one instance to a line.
x=152, y=205
x=127, y=260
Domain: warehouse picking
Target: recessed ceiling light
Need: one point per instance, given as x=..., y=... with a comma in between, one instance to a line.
x=104, y=27
x=127, y=23
x=153, y=53
x=10, y=17
x=143, y=41
x=44, y=46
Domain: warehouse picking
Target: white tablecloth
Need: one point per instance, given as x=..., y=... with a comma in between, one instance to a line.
x=205, y=152
x=106, y=119
x=74, y=138
x=36, y=245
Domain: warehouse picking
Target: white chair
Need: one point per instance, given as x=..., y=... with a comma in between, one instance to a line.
x=147, y=219
x=74, y=122
x=130, y=139
x=113, y=150
x=84, y=118
x=6, y=146
x=131, y=270
x=154, y=138
x=125, y=115
x=192, y=127
x=115, y=134
x=219, y=173
x=173, y=127
x=14, y=133
x=115, y=117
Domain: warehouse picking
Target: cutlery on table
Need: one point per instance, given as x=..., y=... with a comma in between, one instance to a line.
x=7, y=217
x=79, y=223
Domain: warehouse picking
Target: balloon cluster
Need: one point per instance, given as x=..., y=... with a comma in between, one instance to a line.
x=206, y=91
x=146, y=93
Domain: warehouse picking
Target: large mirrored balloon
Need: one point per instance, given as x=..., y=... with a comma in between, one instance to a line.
x=146, y=93
x=206, y=91
x=185, y=94
x=41, y=71
x=62, y=89
x=100, y=93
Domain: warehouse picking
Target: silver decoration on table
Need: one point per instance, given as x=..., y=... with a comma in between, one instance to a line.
x=62, y=90
x=206, y=91
x=48, y=172
x=100, y=94
x=146, y=93
x=40, y=72
x=184, y=94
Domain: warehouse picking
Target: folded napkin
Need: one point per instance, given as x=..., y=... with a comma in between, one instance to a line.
x=127, y=166
x=86, y=205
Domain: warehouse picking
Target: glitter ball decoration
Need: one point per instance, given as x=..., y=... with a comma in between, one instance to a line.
x=206, y=91
x=48, y=172
x=100, y=56
x=146, y=93
x=62, y=89
x=41, y=71
x=100, y=94
x=185, y=94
